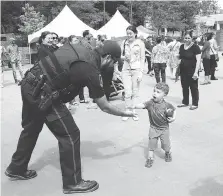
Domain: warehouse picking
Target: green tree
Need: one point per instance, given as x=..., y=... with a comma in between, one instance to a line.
x=10, y=12
x=208, y=7
x=31, y=20
x=174, y=14
x=140, y=10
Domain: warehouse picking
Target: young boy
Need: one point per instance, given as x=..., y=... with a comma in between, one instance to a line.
x=161, y=114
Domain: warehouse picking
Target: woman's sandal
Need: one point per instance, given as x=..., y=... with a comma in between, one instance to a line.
x=193, y=107
x=204, y=83
x=182, y=105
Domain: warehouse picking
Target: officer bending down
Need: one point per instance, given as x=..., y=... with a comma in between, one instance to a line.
x=52, y=82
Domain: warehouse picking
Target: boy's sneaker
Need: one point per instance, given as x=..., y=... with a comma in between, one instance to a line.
x=168, y=157
x=136, y=118
x=125, y=118
x=149, y=162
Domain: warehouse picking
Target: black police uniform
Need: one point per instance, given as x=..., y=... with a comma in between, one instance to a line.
x=83, y=70
x=107, y=75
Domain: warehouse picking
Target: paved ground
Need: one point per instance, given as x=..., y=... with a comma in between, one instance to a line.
x=113, y=152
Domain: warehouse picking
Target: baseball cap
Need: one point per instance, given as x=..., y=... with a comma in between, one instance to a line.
x=112, y=48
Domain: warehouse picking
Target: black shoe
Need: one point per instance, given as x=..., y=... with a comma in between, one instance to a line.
x=168, y=157
x=149, y=163
x=214, y=78
x=81, y=187
x=29, y=174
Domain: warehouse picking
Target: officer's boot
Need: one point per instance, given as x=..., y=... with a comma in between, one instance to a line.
x=28, y=174
x=84, y=186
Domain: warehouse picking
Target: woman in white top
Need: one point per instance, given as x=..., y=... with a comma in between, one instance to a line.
x=133, y=54
x=173, y=60
x=213, y=53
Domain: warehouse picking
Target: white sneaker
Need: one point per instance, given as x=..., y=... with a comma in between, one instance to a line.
x=124, y=118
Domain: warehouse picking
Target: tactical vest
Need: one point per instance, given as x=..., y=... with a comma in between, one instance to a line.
x=56, y=66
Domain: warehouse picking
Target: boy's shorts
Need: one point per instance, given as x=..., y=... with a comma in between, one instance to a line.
x=164, y=135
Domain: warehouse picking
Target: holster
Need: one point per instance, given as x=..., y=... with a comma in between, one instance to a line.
x=42, y=91
x=48, y=96
x=38, y=87
x=30, y=78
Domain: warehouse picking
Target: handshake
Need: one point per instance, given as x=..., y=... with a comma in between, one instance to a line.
x=129, y=113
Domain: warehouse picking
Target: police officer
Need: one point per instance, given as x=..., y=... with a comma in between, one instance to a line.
x=82, y=67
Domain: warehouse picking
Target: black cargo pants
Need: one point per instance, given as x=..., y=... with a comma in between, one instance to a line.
x=60, y=122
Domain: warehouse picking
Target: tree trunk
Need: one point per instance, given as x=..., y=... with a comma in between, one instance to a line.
x=3, y=29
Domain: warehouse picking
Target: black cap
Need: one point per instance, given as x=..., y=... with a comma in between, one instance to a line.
x=112, y=48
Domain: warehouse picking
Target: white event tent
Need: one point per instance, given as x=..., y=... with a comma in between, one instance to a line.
x=65, y=24
x=115, y=27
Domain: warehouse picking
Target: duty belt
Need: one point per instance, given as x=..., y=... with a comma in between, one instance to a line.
x=31, y=78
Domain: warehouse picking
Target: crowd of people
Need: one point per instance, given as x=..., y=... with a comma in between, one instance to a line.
x=92, y=63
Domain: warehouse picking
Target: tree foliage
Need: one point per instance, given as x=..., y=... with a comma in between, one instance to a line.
x=10, y=12
x=208, y=7
x=89, y=13
x=31, y=20
x=178, y=15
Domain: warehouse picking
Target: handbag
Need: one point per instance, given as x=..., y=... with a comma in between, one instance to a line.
x=216, y=55
x=154, y=57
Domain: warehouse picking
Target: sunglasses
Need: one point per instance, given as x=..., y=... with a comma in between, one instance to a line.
x=54, y=37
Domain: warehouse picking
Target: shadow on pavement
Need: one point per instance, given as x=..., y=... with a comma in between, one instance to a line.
x=92, y=149
x=49, y=157
x=88, y=149
x=207, y=187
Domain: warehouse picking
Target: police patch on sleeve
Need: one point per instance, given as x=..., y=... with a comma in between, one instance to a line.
x=100, y=80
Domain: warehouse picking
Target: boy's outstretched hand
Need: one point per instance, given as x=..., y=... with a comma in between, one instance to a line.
x=130, y=114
